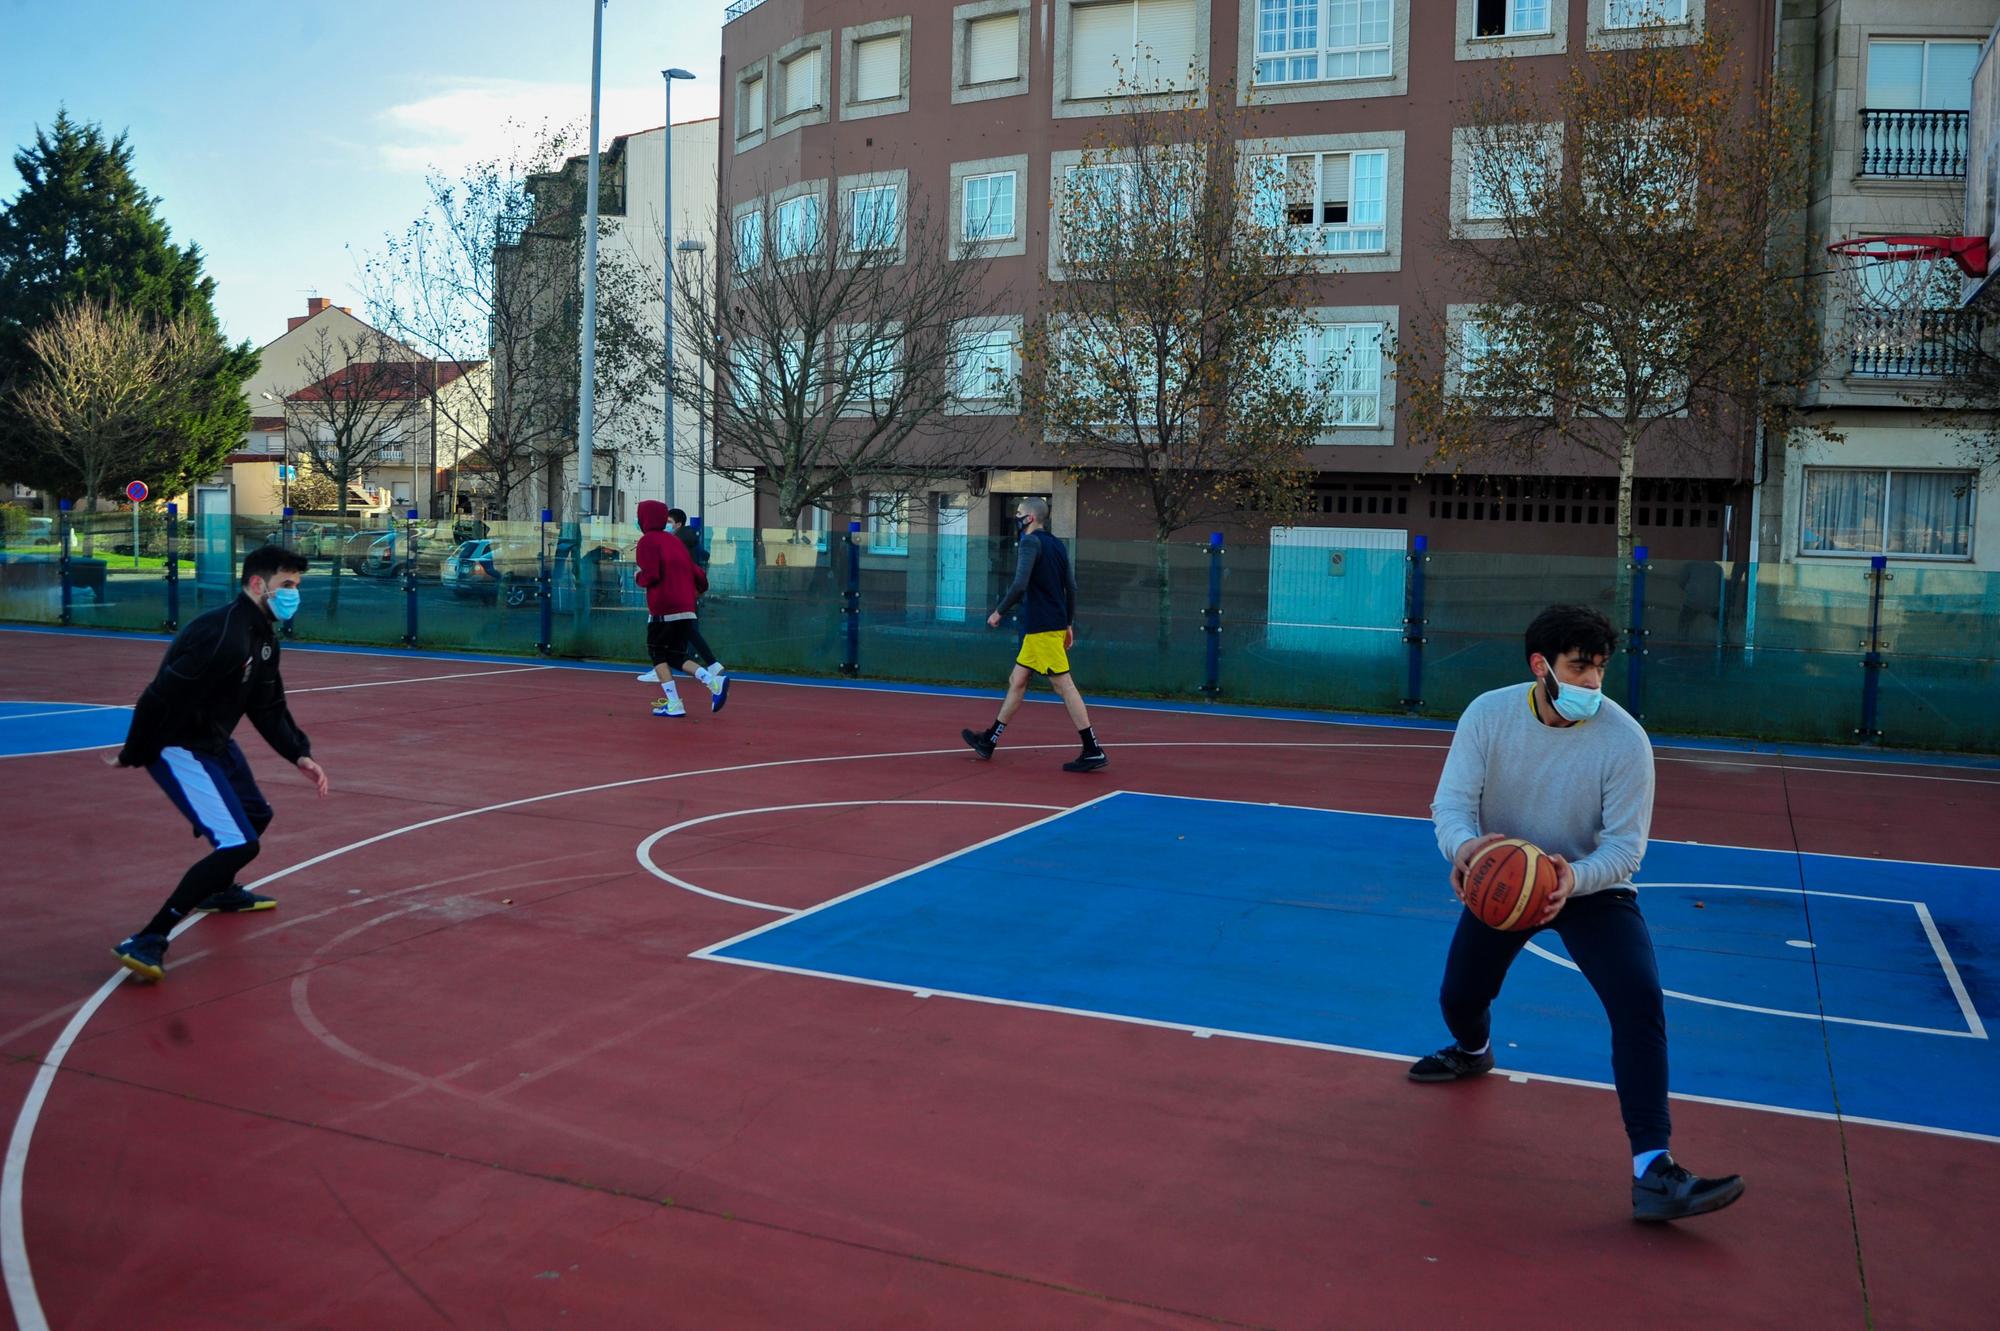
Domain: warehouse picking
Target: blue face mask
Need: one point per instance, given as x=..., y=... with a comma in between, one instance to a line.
x=284, y=602
x=1574, y=703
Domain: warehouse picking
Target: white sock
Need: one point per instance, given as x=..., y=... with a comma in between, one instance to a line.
x=701, y=673
x=667, y=686
x=1482, y=1048
x=715, y=668
x=1643, y=1159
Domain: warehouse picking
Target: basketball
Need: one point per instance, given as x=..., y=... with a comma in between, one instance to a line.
x=1507, y=885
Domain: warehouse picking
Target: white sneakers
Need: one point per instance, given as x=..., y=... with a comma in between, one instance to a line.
x=651, y=676
x=669, y=707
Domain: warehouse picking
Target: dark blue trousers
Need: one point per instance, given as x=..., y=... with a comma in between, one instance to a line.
x=1607, y=938
x=219, y=798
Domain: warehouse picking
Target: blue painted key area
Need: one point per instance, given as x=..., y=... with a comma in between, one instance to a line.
x=1313, y=925
x=58, y=727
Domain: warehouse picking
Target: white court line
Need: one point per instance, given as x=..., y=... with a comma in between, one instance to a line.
x=645, y=851
x=419, y=679
x=14, y=1264
x=68, y=711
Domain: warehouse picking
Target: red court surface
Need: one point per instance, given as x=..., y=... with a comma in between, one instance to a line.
x=468, y=1075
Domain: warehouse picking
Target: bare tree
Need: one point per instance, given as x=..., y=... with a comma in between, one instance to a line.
x=836, y=347
x=1170, y=353
x=111, y=390
x=491, y=273
x=364, y=393
x=1634, y=235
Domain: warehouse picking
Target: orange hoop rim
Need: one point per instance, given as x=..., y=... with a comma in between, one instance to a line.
x=1968, y=252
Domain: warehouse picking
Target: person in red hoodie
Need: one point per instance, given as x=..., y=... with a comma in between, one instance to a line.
x=672, y=582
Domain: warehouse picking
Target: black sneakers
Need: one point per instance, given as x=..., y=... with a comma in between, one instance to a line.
x=1087, y=762
x=1668, y=1192
x=234, y=900
x=982, y=742
x=145, y=955
x=1452, y=1064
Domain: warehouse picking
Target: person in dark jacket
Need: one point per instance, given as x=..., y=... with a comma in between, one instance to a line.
x=1045, y=586
x=672, y=581
x=220, y=668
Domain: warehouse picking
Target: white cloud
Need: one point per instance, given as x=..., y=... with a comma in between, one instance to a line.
x=481, y=119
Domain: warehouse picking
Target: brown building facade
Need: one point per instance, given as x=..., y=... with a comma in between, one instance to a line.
x=979, y=107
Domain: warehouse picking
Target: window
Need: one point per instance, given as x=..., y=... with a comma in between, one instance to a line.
x=1300, y=41
x=1347, y=358
x=798, y=227
x=1919, y=514
x=798, y=80
x=749, y=241
x=871, y=368
x=812, y=523
x=989, y=206
x=1503, y=179
x=1649, y=168
x=1510, y=18
x=1911, y=75
x=993, y=49
x=1331, y=203
x=888, y=530
x=872, y=218
x=747, y=375
x=984, y=369
x=389, y=442
x=1479, y=341
x=1132, y=46
x=750, y=107
x=798, y=378
x=878, y=69
x=1644, y=13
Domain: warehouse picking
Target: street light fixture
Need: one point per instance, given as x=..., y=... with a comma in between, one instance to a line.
x=692, y=246
x=667, y=76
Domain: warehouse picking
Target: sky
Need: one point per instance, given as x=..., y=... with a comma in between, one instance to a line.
x=289, y=139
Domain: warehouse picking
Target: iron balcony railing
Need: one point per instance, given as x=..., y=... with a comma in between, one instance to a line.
x=1913, y=145
x=738, y=8
x=1947, y=344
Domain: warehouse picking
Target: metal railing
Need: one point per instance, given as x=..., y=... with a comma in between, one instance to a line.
x=738, y=8
x=1946, y=344
x=1913, y=145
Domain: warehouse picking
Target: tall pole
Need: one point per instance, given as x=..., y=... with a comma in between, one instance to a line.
x=667, y=76
x=586, y=395
x=693, y=246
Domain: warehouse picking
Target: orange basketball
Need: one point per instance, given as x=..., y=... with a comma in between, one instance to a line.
x=1507, y=885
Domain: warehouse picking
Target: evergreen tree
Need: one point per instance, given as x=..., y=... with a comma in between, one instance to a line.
x=81, y=230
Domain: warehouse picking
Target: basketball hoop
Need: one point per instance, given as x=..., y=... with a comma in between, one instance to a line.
x=1890, y=284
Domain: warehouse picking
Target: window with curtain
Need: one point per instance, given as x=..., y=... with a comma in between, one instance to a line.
x=983, y=368
x=988, y=205
x=1347, y=358
x=1907, y=74
x=878, y=69
x=799, y=83
x=888, y=526
x=1132, y=46
x=749, y=241
x=1644, y=13
x=993, y=49
x=1301, y=41
x=1909, y=513
x=798, y=227
x=1331, y=203
x=873, y=223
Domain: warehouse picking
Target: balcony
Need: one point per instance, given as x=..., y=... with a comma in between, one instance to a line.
x=1947, y=345
x=1913, y=145
x=738, y=8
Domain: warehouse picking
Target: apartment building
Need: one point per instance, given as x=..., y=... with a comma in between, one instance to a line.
x=979, y=108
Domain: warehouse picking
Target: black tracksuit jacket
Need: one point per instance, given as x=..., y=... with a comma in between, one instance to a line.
x=222, y=666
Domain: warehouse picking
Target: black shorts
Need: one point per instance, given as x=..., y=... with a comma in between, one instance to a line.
x=667, y=640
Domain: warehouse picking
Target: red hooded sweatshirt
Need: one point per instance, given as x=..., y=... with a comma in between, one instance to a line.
x=666, y=572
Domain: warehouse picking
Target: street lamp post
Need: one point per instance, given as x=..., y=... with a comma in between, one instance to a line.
x=586, y=406
x=692, y=246
x=667, y=76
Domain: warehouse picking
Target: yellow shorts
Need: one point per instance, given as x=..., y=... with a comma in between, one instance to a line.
x=1044, y=654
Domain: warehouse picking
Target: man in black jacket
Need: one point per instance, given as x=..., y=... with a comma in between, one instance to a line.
x=223, y=665
x=1046, y=589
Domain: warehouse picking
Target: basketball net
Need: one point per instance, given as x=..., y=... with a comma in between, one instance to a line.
x=1895, y=289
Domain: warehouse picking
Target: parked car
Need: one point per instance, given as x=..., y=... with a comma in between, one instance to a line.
x=490, y=571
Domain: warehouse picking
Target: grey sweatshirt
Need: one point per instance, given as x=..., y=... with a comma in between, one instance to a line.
x=1584, y=792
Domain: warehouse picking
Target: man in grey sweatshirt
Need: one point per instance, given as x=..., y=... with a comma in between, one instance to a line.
x=1558, y=764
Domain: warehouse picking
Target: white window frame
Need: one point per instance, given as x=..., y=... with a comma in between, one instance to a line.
x=749, y=240
x=1320, y=338
x=966, y=183
x=859, y=244
x=1634, y=15
x=1677, y=24
x=865, y=382
x=1924, y=79
x=753, y=92
x=1889, y=474
x=1322, y=238
x=787, y=73
x=1524, y=173
x=888, y=524
x=1511, y=24
x=1323, y=52
x=786, y=227
x=1182, y=87
x=975, y=365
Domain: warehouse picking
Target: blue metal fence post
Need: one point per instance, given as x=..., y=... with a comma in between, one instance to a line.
x=173, y=567
x=62, y=557
x=285, y=525
x=547, y=644
x=1871, y=663
x=850, y=662
x=1635, y=643
x=1413, y=620
x=410, y=582
x=1211, y=620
